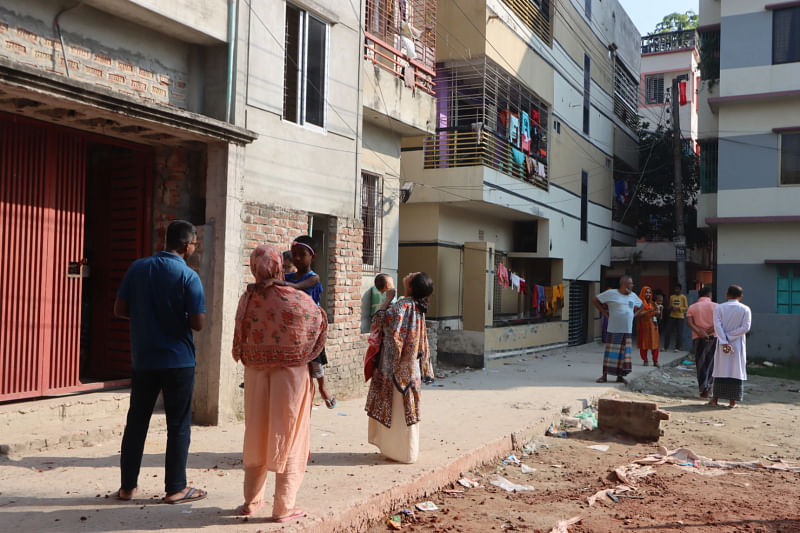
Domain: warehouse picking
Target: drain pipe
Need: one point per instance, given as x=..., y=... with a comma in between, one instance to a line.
x=61, y=37
x=231, y=49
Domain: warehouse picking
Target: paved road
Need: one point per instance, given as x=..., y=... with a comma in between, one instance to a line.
x=468, y=418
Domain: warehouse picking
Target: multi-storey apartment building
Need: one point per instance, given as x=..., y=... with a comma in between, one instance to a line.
x=257, y=121
x=750, y=167
x=536, y=109
x=665, y=56
x=115, y=118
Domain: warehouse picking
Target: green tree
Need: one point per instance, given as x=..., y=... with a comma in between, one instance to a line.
x=651, y=196
x=677, y=22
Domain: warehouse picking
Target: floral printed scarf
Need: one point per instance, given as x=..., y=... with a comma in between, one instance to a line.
x=276, y=326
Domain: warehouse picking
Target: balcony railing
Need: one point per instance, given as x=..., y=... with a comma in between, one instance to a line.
x=452, y=149
x=389, y=58
x=668, y=42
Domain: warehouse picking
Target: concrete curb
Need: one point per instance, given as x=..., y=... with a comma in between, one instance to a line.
x=358, y=518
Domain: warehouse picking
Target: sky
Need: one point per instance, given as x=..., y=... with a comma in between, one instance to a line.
x=647, y=13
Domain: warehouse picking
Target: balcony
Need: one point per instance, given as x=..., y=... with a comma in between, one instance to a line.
x=657, y=43
x=400, y=38
x=452, y=149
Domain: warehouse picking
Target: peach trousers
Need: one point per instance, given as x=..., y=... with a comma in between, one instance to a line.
x=277, y=434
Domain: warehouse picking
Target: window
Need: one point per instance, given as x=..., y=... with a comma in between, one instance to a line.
x=584, y=205
x=587, y=8
x=786, y=35
x=788, y=296
x=709, y=55
x=371, y=221
x=587, y=86
x=304, y=68
x=790, y=159
x=654, y=89
x=709, y=150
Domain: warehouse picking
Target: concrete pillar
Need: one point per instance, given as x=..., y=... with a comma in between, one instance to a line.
x=478, y=285
x=216, y=394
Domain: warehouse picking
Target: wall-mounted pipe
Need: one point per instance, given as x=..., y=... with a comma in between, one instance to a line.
x=57, y=27
x=231, y=53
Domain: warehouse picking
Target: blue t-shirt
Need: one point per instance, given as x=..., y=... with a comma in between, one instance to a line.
x=162, y=291
x=315, y=292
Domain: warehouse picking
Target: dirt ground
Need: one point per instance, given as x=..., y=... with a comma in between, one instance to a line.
x=674, y=498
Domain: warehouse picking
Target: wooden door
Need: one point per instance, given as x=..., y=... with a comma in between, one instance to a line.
x=121, y=235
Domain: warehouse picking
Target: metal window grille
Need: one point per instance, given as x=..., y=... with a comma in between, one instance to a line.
x=709, y=54
x=537, y=15
x=385, y=18
x=786, y=35
x=709, y=151
x=790, y=159
x=654, y=89
x=372, y=221
x=626, y=95
x=471, y=96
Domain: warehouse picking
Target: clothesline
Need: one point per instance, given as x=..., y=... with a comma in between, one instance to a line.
x=545, y=299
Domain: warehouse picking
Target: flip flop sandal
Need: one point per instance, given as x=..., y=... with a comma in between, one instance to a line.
x=118, y=496
x=331, y=403
x=192, y=495
x=253, y=509
x=297, y=513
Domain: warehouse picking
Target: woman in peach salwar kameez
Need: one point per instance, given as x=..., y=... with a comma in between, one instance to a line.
x=278, y=331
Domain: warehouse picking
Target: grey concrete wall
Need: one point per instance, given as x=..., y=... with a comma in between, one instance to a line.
x=774, y=337
x=746, y=40
x=758, y=281
x=748, y=162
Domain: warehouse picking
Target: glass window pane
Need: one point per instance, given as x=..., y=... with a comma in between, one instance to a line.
x=786, y=35
x=783, y=298
x=790, y=157
x=783, y=309
x=291, y=63
x=783, y=284
x=315, y=72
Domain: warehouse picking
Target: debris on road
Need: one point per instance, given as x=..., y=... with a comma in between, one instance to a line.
x=508, y=486
x=427, y=506
x=563, y=525
x=468, y=483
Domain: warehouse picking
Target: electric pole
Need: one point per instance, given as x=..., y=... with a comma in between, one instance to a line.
x=680, y=238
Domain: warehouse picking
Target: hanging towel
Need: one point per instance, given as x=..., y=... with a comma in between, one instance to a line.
x=513, y=130
x=523, y=287
x=502, y=123
x=540, y=171
x=515, y=282
x=540, y=293
x=525, y=133
x=518, y=156
x=548, y=304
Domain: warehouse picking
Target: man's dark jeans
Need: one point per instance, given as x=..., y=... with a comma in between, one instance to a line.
x=177, y=385
x=674, y=326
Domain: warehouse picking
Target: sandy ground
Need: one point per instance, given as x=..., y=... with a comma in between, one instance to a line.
x=674, y=498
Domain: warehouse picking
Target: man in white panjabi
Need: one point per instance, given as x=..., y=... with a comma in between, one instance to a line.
x=731, y=324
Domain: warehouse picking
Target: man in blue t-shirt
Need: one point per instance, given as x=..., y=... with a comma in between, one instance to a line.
x=164, y=301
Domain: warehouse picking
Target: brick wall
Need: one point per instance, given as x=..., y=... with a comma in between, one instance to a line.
x=179, y=193
x=344, y=374
x=146, y=81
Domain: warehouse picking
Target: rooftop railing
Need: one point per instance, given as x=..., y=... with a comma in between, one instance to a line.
x=668, y=42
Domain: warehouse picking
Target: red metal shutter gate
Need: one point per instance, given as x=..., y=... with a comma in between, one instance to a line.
x=42, y=180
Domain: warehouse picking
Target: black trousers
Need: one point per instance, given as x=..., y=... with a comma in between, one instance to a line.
x=177, y=385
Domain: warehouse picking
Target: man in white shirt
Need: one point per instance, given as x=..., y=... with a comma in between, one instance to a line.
x=620, y=306
x=731, y=324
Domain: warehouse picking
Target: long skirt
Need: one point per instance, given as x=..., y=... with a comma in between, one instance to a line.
x=399, y=442
x=704, y=358
x=617, y=357
x=729, y=389
x=277, y=434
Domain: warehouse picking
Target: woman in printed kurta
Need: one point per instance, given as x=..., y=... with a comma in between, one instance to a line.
x=647, y=326
x=393, y=401
x=278, y=331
